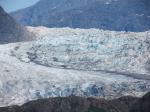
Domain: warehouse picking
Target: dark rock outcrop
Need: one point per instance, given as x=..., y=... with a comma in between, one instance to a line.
x=118, y=15
x=80, y=104
x=142, y=105
x=10, y=31
x=74, y=104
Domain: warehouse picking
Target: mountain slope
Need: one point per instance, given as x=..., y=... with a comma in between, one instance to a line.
x=10, y=31
x=120, y=15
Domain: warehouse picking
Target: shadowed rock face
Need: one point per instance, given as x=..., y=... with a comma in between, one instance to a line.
x=74, y=104
x=119, y=15
x=80, y=104
x=10, y=31
x=142, y=105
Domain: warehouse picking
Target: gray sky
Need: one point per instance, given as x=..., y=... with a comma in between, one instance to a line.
x=12, y=5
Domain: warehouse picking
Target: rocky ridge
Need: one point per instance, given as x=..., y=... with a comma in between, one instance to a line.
x=80, y=104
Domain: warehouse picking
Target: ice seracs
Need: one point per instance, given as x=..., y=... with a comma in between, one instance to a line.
x=62, y=62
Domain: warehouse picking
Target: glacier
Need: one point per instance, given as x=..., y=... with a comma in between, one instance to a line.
x=64, y=62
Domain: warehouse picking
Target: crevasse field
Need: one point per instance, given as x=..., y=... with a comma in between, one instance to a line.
x=63, y=62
